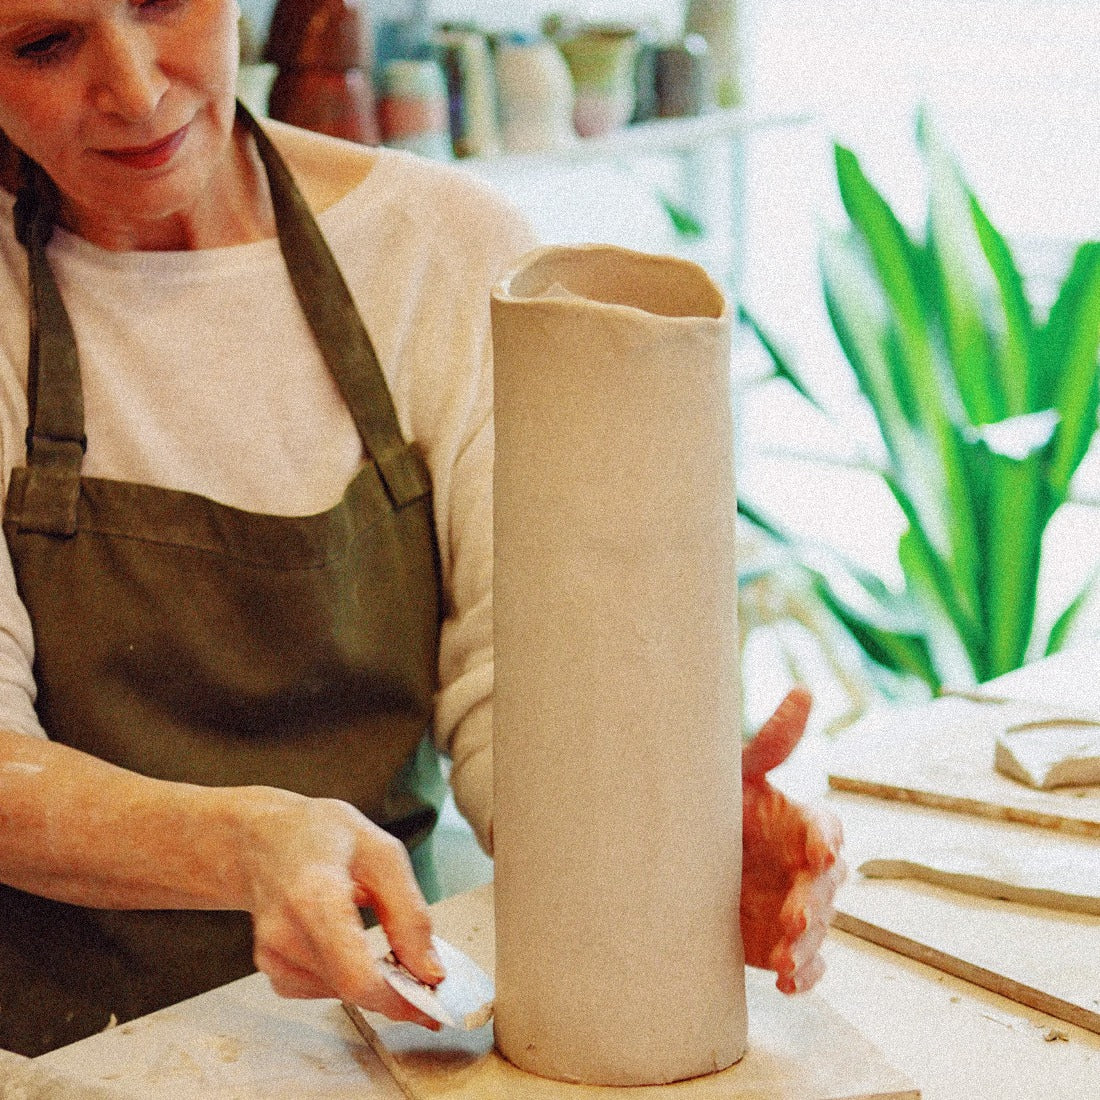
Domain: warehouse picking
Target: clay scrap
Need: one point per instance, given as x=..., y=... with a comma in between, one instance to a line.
x=1049, y=754
x=1039, y=878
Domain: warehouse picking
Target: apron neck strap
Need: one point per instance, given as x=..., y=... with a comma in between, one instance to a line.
x=341, y=336
x=55, y=398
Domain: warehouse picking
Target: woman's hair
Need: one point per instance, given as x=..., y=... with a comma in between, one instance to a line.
x=37, y=199
x=9, y=164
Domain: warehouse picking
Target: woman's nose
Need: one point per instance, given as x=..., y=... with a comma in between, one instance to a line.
x=128, y=79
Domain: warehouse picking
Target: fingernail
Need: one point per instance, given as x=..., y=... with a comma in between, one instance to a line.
x=435, y=964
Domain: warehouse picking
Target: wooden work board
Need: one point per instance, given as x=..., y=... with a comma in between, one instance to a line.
x=799, y=1047
x=941, y=755
x=1043, y=958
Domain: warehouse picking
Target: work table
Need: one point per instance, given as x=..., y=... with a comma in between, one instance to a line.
x=954, y=1040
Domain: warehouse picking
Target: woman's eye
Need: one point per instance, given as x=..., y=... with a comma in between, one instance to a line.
x=47, y=48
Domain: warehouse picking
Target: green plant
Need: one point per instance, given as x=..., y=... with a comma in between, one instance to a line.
x=985, y=410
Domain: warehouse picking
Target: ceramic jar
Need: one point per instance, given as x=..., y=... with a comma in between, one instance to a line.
x=684, y=83
x=471, y=84
x=323, y=49
x=413, y=112
x=616, y=706
x=716, y=21
x=536, y=96
x=601, y=62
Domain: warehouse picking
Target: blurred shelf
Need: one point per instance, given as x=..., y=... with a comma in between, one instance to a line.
x=578, y=192
x=669, y=135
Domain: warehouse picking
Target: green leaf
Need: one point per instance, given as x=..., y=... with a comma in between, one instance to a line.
x=1065, y=622
x=781, y=364
x=899, y=651
x=1017, y=505
x=898, y=264
x=758, y=519
x=856, y=312
x=934, y=577
x=1016, y=336
x=955, y=258
x=687, y=226
x=1068, y=364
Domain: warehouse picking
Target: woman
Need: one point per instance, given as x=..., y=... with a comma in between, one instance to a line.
x=235, y=599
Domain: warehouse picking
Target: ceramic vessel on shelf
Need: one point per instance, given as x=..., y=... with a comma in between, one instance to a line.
x=323, y=52
x=716, y=21
x=471, y=83
x=601, y=61
x=684, y=83
x=536, y=96
x=404, y=36
x=413, y=112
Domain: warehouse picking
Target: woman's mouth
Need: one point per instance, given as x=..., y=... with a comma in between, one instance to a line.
x=147, y=157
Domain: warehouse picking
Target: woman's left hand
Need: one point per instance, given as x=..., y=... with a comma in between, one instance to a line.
x=792, y=866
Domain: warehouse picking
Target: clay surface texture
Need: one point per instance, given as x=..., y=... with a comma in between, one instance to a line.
x=941, y=755
x=1038, y=947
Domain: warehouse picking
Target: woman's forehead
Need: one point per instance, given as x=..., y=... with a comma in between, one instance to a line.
x=20, y=10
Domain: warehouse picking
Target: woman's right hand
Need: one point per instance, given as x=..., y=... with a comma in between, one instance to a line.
x=86, y=832
x=308, y=864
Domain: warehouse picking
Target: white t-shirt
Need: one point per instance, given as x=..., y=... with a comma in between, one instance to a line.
x=200, y=374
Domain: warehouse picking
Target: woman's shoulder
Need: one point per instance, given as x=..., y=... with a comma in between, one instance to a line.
x=325, y=168
x=432, y=193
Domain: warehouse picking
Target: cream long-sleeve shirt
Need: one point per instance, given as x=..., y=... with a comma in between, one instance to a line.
x=200, y=374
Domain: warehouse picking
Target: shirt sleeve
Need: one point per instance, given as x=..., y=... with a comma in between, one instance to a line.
x=464, y=719
x=18, y=690
x=17, y=686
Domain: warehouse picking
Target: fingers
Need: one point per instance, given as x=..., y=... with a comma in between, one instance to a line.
x=311, y=864
x=778, y=736
x=824, y=838
x=804, y=979
x=329, y=957
x=804, y=921
x=289, y=980
x=402, y=910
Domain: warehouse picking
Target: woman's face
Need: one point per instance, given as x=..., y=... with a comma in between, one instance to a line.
x=127, y=104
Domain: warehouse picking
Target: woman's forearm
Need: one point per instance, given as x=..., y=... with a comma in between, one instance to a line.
x=77, y=829
x=80, y=830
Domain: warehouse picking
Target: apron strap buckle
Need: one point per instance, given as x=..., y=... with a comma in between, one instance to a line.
x=404, y=474
x=51, y=487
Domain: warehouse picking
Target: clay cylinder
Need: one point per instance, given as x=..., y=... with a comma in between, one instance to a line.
x=617, y=787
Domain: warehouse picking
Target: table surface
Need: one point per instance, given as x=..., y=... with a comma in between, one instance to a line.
x=952, y=1038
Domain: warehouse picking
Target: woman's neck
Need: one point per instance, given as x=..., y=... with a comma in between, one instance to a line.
x=234, y=208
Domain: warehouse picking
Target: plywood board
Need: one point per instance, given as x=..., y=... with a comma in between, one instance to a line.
x=237, y=1042
x=941, y=755
x=799, y=1048
x=1042, y=958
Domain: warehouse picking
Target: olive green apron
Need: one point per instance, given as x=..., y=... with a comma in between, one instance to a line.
x=188, y=640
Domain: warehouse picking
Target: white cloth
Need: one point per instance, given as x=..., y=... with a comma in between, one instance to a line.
x=200, y=374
